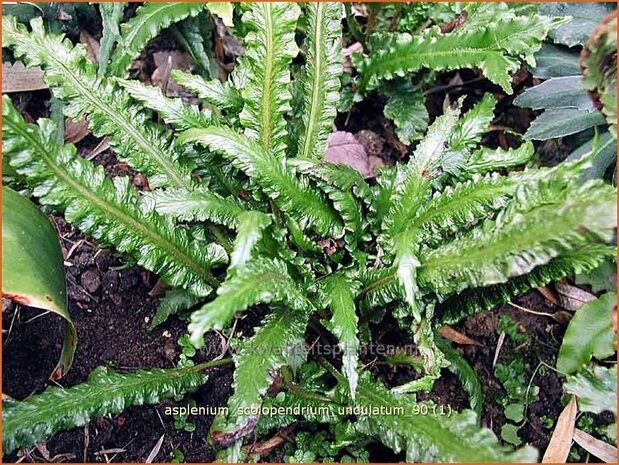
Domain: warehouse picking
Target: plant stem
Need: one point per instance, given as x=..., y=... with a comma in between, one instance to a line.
x=213, y=364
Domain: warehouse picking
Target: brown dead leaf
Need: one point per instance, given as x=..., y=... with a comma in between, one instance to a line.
x=100, y=148
x=346, y=54
x=571, y=297
x=455, y=336
x=561, y=440
x=75, y=131
x=456, y=23
x=600, y=449
x=17, y=78
x=344, y=149
x=549, y=295
x=166, y=61
x=92, y=46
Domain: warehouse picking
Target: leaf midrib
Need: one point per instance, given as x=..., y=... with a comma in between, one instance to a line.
x=105, y=206
x=145, y=146
x=312, y=121
x=266, y=130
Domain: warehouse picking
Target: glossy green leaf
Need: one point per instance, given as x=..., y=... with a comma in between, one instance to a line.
x=33, y=267
x=561, y=122
x=589, y=334
x=596, y=389
x=584, y=16
x=559, y=92
x=555, y=61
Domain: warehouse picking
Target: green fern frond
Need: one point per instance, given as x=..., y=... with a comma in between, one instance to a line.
x=259, y=281
x=456, y=206
x=105, y=392
x=541, y=223
x=111, y=16
x=473, y=124
x=291, y=194
x=173, y=111
x=343, y=324
x=429, y=437
x=174, y=301
x=487, y=160
x=270, y=47
x=471, y=301
x=321, y=82
x=143, y=145
x=467, y=376
x=250, y=227
x=412, y=183
x=341, y=176
x=222, y=95
x=197, y=205
x=149, y=20
x=496, y=47
x=108, y=211
x=406, y=264
x=257, y=362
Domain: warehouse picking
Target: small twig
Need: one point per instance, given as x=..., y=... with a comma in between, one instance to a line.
x=499, y=345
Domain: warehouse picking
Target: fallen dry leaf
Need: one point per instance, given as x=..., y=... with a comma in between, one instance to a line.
x=455, y=336
x=344, y=149
x=165, y=62
x=561, y=440
x=17, y=78
x=75, y=131
x=346, y=54
x=549, y=295
x=571, y=297
x=92, y=46
x=600, y=449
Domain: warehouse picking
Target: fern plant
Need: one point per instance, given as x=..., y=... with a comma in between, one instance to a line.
x=494, y=38
x=239, y=206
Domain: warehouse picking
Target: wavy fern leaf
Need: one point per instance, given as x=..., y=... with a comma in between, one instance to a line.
x=473, y=124
x=106, y=210
x=321, y=82
x=105, y=392
x=471, y=301
x=197, y=205
x=174, y=301
x=289, y=193
x=149, y=20
x=455, y=207
x=431, y=437
x=467, y=376
x=496, y=47
x=540, y=224
x=270, y=47
x=250, y=226
x=222, y=95
x=73, y=79
x=257, y=362
x=412, y=183
x=111, y=16
x=259, y=281
x=343, y=325
x=487, y=160
x=173, y=111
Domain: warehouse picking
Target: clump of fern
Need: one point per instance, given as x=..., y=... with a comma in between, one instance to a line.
x=241, y=201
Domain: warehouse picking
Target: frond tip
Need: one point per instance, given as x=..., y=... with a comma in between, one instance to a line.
x=37, y=417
